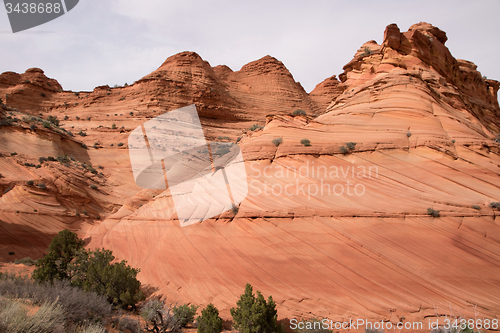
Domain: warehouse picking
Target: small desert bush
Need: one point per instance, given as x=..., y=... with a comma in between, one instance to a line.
x=366, y=52
x=432, y=212
x=253, y=314
x=185, y=314
x=159, y=316
x=408, y=134
x=277, y=141
x=305, y=142
x=350, y=145
x=17, y=317
x=79, y=306
x=130, y=324
x=94, y=187
x=25, y=261
x=476, y=207
x=255, y=127
x=42, y=186
x=209, y=321
x=495, y=205
x=299, y=112
x=120, y=144
x=343, y=150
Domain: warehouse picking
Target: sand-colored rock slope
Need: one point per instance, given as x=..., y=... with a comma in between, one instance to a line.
x=330, y=229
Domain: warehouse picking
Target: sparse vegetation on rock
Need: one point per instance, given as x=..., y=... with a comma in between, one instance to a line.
x=299, y=112
x=432, y=212
x=277, y=141
x=495, y=205
x=255, y=127
x=305, y=142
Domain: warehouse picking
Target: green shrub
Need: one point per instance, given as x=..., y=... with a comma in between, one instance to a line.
x=13, y=154
x=277, y=141
x=367, y=51
x=495, y=205
x=82, y=133
x=433, y=212
x=30, y=182
x=185, y=314
x=93, y=271
x=42, y=186
x=94, y=187
x=120, y=144
x=255, y=127
x=299, y=112
x=350, y=145
x=408, y=134
x=113, y=126
x=255, y=315
x=209, y=321
x=53, y=120
x=25, y=261
x=46, y=124
x=62, y=250
x=305, y=142
x=63, y=159
x=476, y=207
x=33, y=127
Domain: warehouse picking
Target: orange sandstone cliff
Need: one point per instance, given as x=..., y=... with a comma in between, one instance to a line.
x=336, y=228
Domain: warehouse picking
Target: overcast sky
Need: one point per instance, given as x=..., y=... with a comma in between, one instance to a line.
x=117, y=41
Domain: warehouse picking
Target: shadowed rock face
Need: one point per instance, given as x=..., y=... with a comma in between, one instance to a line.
x=331, y=229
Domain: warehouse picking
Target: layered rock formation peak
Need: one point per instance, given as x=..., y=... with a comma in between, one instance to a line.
x=336, y=221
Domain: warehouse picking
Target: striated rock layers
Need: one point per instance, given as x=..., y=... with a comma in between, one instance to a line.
x=334, y=226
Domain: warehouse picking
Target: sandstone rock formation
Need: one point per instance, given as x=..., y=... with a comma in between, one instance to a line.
x=338, y=228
